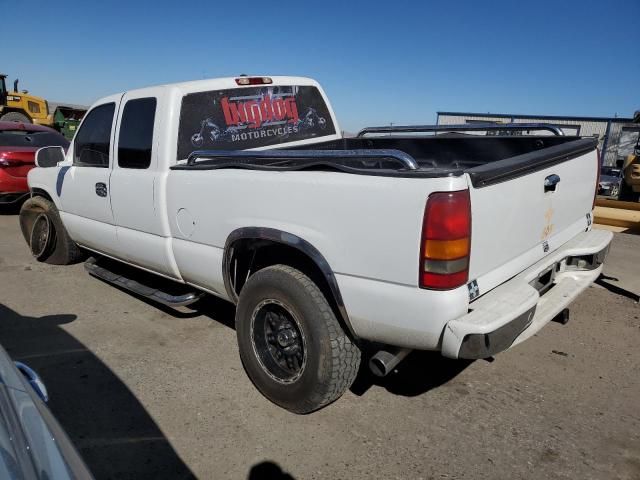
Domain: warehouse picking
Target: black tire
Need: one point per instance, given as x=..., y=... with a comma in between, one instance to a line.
x=15, y=117
x=330, y=360
x=45, y=234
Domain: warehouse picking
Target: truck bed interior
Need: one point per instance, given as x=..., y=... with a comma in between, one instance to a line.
x=449, y=151
x=486, y=158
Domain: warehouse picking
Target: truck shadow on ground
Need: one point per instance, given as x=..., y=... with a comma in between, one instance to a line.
x=108, y=425
x=209, y=306
x=605, y=282
x=10, y=209
x=417, y=374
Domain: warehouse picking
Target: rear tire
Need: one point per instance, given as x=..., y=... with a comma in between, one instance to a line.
x=291, y=344
x=45, y=234
x=15, y=117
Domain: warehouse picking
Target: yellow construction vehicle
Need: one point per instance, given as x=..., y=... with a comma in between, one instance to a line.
x=631, y=183
x=16, y=106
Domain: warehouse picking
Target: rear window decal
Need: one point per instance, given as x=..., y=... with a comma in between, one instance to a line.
x=242, y=118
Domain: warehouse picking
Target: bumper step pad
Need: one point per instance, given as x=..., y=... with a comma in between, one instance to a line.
x=516, y=310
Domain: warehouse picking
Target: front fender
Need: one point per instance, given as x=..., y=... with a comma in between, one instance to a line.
x=48, y=182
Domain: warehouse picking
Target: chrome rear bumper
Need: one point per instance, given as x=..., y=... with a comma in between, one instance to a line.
x=520, y=307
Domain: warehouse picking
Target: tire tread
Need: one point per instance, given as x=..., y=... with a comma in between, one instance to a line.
x=66, y=251
x=343, y=353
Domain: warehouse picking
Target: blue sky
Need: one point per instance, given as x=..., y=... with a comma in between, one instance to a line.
x=379, y=62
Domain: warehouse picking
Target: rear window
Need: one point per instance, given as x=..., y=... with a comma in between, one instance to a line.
x=136, y=133
x=25, y=138
x=242, y=118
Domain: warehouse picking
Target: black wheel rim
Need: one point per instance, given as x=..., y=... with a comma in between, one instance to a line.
x=278, y=341
x=41, y=236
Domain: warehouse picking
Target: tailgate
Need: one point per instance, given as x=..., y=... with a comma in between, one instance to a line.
x=516, y=220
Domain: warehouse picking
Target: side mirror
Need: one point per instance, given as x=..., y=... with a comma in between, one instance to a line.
x=49, y=156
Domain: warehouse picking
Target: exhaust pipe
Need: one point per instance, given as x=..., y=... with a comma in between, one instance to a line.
x=383, y=362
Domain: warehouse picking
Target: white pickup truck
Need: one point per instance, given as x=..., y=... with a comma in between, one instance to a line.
x=394, y=240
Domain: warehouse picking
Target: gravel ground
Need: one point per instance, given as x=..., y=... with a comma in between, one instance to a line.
x=145, y=392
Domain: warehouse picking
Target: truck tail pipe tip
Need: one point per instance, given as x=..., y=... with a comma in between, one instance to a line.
x=383, y=362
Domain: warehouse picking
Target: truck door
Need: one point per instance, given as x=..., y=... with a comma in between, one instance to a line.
x=137, y=184
x=83, y=187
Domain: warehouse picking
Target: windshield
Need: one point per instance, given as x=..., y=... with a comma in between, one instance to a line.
x=25, y=138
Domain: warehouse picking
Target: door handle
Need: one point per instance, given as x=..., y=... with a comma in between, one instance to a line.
x=101, y=189
x=551, y=182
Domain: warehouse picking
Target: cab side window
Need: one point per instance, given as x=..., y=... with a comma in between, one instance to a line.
x=136, y=133
x=93, y=140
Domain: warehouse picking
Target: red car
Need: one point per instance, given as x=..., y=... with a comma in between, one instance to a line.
x=18, y=145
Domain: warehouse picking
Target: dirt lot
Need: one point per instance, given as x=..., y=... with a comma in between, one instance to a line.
x=145, y=392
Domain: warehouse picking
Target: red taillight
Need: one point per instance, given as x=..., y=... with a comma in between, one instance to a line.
x=15, y=159
x=446, y=241
x=599, y=167
x=253, y=81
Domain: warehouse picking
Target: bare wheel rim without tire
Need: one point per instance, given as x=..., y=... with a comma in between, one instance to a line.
x=42, y=234
x=278, y=341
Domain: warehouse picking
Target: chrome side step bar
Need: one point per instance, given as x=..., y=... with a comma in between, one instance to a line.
x=91, y=266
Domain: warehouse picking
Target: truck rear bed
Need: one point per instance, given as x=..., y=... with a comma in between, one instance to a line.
x=529, y=194
x=517, y=218
x=484, y=158
x=473, y=154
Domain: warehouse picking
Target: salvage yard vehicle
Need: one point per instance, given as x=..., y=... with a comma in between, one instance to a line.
x=20, y=106
x=18, y=145
x=610, y=181
x=33, y=443
x=383, y=243
x=631, y=166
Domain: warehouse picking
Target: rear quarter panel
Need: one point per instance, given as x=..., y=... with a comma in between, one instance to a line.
x=363, y=225
x=367, y=228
